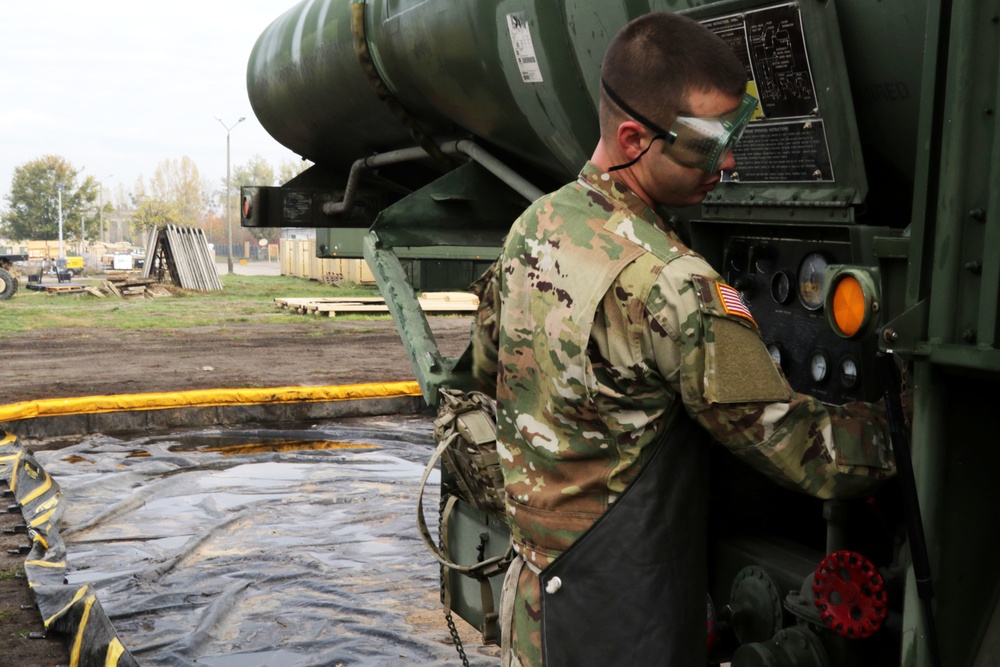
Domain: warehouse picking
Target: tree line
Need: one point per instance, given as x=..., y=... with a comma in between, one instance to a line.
x=177, y=194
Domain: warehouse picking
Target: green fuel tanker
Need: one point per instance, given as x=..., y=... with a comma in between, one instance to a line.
x=860, y=224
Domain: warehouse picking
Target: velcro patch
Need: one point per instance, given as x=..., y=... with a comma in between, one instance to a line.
x=733, y=303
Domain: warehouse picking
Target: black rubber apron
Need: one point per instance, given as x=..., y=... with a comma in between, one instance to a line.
x=632, y=590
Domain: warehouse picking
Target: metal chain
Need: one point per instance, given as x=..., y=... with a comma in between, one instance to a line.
x=447, y=614
x=458, y=640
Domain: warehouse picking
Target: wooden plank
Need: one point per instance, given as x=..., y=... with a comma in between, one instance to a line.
x=452, y=297
x=332, y=310
x=110, y=286
x=157, y=291
x=297, y=301
x=96, y=292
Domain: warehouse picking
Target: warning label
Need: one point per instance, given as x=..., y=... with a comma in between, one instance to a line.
x=524, y=48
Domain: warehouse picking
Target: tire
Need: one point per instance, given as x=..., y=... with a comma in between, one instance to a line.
x=8, y=285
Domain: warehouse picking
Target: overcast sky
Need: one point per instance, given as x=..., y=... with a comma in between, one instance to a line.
x=116, y=86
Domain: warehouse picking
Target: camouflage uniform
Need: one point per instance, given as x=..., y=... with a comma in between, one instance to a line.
x=601, y=330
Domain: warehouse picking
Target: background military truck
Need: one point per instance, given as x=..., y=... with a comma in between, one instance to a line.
x=860, y=224
x=8, y=277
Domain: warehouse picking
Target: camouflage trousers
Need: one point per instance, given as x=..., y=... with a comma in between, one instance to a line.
x=521, y=617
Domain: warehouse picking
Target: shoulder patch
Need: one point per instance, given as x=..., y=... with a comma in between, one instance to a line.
x=721, y=300
x=738, y=368
x=732, y=302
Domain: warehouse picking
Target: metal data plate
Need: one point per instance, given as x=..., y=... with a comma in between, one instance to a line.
x=802, y=149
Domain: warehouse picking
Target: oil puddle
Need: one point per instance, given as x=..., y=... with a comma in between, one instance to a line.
x=239, y=446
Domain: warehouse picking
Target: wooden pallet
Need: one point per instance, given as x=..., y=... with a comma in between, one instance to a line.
x=430, y=302
x=58, y=289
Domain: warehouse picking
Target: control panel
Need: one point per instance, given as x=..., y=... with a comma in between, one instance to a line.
x=782, y=277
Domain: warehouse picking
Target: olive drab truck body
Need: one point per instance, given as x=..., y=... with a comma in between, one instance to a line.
x=862, y=218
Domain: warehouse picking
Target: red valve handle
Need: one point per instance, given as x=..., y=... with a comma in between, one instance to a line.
x=850, y=594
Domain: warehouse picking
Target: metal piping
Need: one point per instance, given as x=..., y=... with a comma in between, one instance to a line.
x=465, y=147
x=484, y=159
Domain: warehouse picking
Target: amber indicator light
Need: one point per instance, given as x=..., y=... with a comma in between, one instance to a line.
x=849, y=307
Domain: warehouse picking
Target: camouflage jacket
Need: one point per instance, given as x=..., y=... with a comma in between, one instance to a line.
x=595, y=322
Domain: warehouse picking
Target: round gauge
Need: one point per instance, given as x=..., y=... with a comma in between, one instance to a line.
x=781, y=286
x=774, y=349
x=819, y=366
x=812, y=281
x=738, y=258
x=848, y=372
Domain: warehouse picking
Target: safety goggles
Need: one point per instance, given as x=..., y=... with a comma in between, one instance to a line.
x=701, y=142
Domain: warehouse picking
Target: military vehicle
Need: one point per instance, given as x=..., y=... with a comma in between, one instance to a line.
x=8, y=277
x=857, y=223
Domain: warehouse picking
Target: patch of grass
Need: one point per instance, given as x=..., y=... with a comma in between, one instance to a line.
x=243, y=299
x=11, y=572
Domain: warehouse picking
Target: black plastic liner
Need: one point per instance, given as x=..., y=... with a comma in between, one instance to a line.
x=254, y=548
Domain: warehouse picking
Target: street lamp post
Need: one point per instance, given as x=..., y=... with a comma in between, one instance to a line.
x=229, y=206
x=100, y=206
x=59, y=188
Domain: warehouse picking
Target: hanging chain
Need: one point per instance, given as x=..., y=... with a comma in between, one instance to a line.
x=447, y=614
x=458, y=640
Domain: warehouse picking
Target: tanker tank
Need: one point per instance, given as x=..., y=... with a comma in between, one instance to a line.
x=458, y=68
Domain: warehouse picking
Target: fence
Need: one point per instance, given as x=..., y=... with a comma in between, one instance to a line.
x=298, y=258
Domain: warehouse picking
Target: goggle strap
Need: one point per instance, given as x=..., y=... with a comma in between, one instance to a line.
x=637, y=157
x=669, y=137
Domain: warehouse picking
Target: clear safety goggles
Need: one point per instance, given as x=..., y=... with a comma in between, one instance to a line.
x=701, y=142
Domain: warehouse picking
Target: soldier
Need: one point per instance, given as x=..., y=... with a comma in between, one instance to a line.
x=613, y=348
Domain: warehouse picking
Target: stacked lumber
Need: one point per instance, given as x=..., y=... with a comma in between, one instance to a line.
x=184, y=253
x=441, y=303
x=124, y=286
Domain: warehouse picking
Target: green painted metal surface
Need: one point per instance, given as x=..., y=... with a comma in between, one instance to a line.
x=907, y=91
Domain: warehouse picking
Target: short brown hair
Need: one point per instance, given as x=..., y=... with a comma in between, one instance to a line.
x=656, y=60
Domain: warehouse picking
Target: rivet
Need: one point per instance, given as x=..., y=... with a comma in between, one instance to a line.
x=969, y=336
x=974, y=267
x=978, y=214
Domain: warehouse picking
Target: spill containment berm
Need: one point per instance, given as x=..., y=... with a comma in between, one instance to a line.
x=141, y=412
x=222, y=547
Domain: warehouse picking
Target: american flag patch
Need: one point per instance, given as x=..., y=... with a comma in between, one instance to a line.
x=733, y=302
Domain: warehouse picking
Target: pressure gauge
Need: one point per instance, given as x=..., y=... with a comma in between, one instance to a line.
x=848, y=372
x=781, y=287
x=812, y=280
x=776, y=352
x=819, y=365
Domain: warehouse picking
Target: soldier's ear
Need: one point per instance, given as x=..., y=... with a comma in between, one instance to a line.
x=630, y=139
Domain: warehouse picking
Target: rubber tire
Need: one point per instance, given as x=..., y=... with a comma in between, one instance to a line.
x=8, y=285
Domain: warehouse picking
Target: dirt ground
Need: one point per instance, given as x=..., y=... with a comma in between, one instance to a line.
x=318, y=351
x=92, y=362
